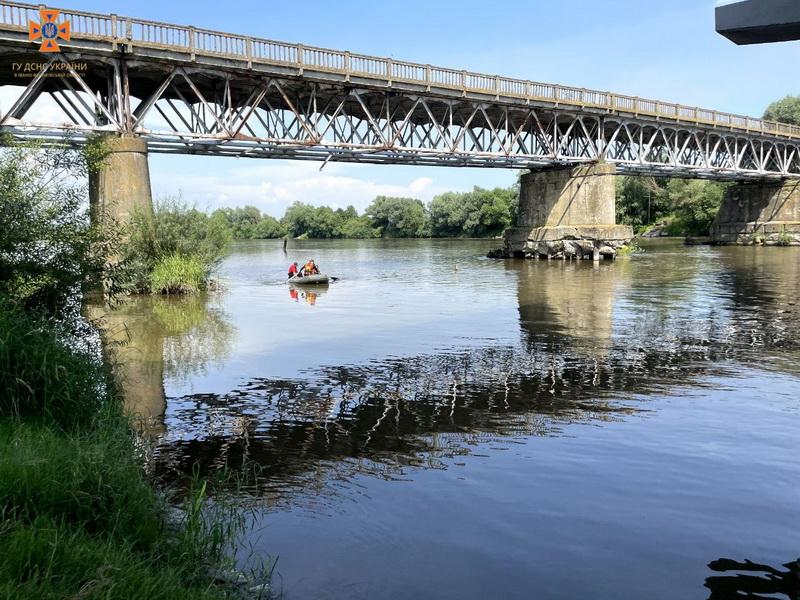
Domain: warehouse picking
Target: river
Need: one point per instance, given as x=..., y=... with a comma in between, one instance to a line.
x=440, y=425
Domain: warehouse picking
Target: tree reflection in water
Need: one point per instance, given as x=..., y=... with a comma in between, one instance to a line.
x=157, y=338
x=753, y=581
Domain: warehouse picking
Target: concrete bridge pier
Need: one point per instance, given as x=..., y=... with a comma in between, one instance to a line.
x=759, y=213
x=121, y=184
x=567, y=213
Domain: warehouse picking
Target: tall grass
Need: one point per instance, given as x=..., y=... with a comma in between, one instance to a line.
x=172, y=249
x=45, y=374
x=80, y=521
x=178, y=274
x=78, y=517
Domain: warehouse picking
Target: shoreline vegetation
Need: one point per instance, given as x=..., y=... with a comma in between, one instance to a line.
x=81, y=518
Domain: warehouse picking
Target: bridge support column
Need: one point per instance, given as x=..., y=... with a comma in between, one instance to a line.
x=567, y=213
x=759, y=213
x=121, y=184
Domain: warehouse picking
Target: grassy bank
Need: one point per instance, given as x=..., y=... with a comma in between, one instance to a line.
x=79, y=517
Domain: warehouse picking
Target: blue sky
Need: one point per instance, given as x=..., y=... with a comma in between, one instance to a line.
x=659, y=49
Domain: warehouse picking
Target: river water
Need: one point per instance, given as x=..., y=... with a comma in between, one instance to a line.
x=439, y=425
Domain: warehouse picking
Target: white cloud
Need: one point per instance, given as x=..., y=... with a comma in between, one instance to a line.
x=274, y=186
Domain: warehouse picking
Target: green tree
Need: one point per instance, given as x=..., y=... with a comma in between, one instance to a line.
x=640, y=201
x=688, y=206
x=298, y=218
x=48, y=246
x=448, y=215
x=247, y=223
x=695, y=203
x=478, y=213
x=269, y=228
x=398, y=217
x=358, y=228
x=345, y=214
x=786, y=110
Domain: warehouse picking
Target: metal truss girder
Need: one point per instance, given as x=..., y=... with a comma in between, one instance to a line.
x=295, y=118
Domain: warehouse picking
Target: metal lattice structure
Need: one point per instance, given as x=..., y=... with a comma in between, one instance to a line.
x=194, y=91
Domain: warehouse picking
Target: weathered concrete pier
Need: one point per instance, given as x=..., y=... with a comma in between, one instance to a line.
x=121, y=183
x=759, y=213
x=567, y=213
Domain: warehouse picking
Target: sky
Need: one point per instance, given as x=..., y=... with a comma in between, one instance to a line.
x=666, y=50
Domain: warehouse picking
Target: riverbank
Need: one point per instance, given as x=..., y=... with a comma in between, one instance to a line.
x=80, y=517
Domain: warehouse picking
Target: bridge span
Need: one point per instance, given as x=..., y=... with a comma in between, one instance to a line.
x=196, y=91
x=170, y=88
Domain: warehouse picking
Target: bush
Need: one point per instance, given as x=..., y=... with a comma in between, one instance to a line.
x=47, y=375
x=178, y=274
x=173, y=229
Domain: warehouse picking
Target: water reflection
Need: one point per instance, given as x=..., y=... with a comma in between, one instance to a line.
x=309, y=295
x=752, y=581
x=571, y=412
x=560, y=299
x=595, y=342
x=161, y=338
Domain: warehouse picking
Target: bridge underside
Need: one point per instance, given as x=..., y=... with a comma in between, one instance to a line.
x=759, y=21
x=179, y=108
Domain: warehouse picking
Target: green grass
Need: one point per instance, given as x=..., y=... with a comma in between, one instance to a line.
x=48, y=560
x=80, y=520
x=178, y=274
x=43, y=376
x=78, y=517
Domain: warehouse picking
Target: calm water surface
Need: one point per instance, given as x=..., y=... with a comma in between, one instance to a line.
x=440, y=425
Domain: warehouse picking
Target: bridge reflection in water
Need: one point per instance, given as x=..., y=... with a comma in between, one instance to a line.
x=158, y=338
x=748, y=580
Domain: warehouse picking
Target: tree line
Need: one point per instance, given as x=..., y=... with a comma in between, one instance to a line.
x=477, y=213
x=679, y=206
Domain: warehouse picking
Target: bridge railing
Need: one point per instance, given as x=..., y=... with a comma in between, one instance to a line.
x=195, y=42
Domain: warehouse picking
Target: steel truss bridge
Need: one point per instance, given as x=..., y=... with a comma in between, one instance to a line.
x=195, y=91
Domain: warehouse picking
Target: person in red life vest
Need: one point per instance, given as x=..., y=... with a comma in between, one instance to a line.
x=292, y=270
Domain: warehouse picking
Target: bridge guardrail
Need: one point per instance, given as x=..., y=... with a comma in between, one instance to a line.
x=194, y=41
